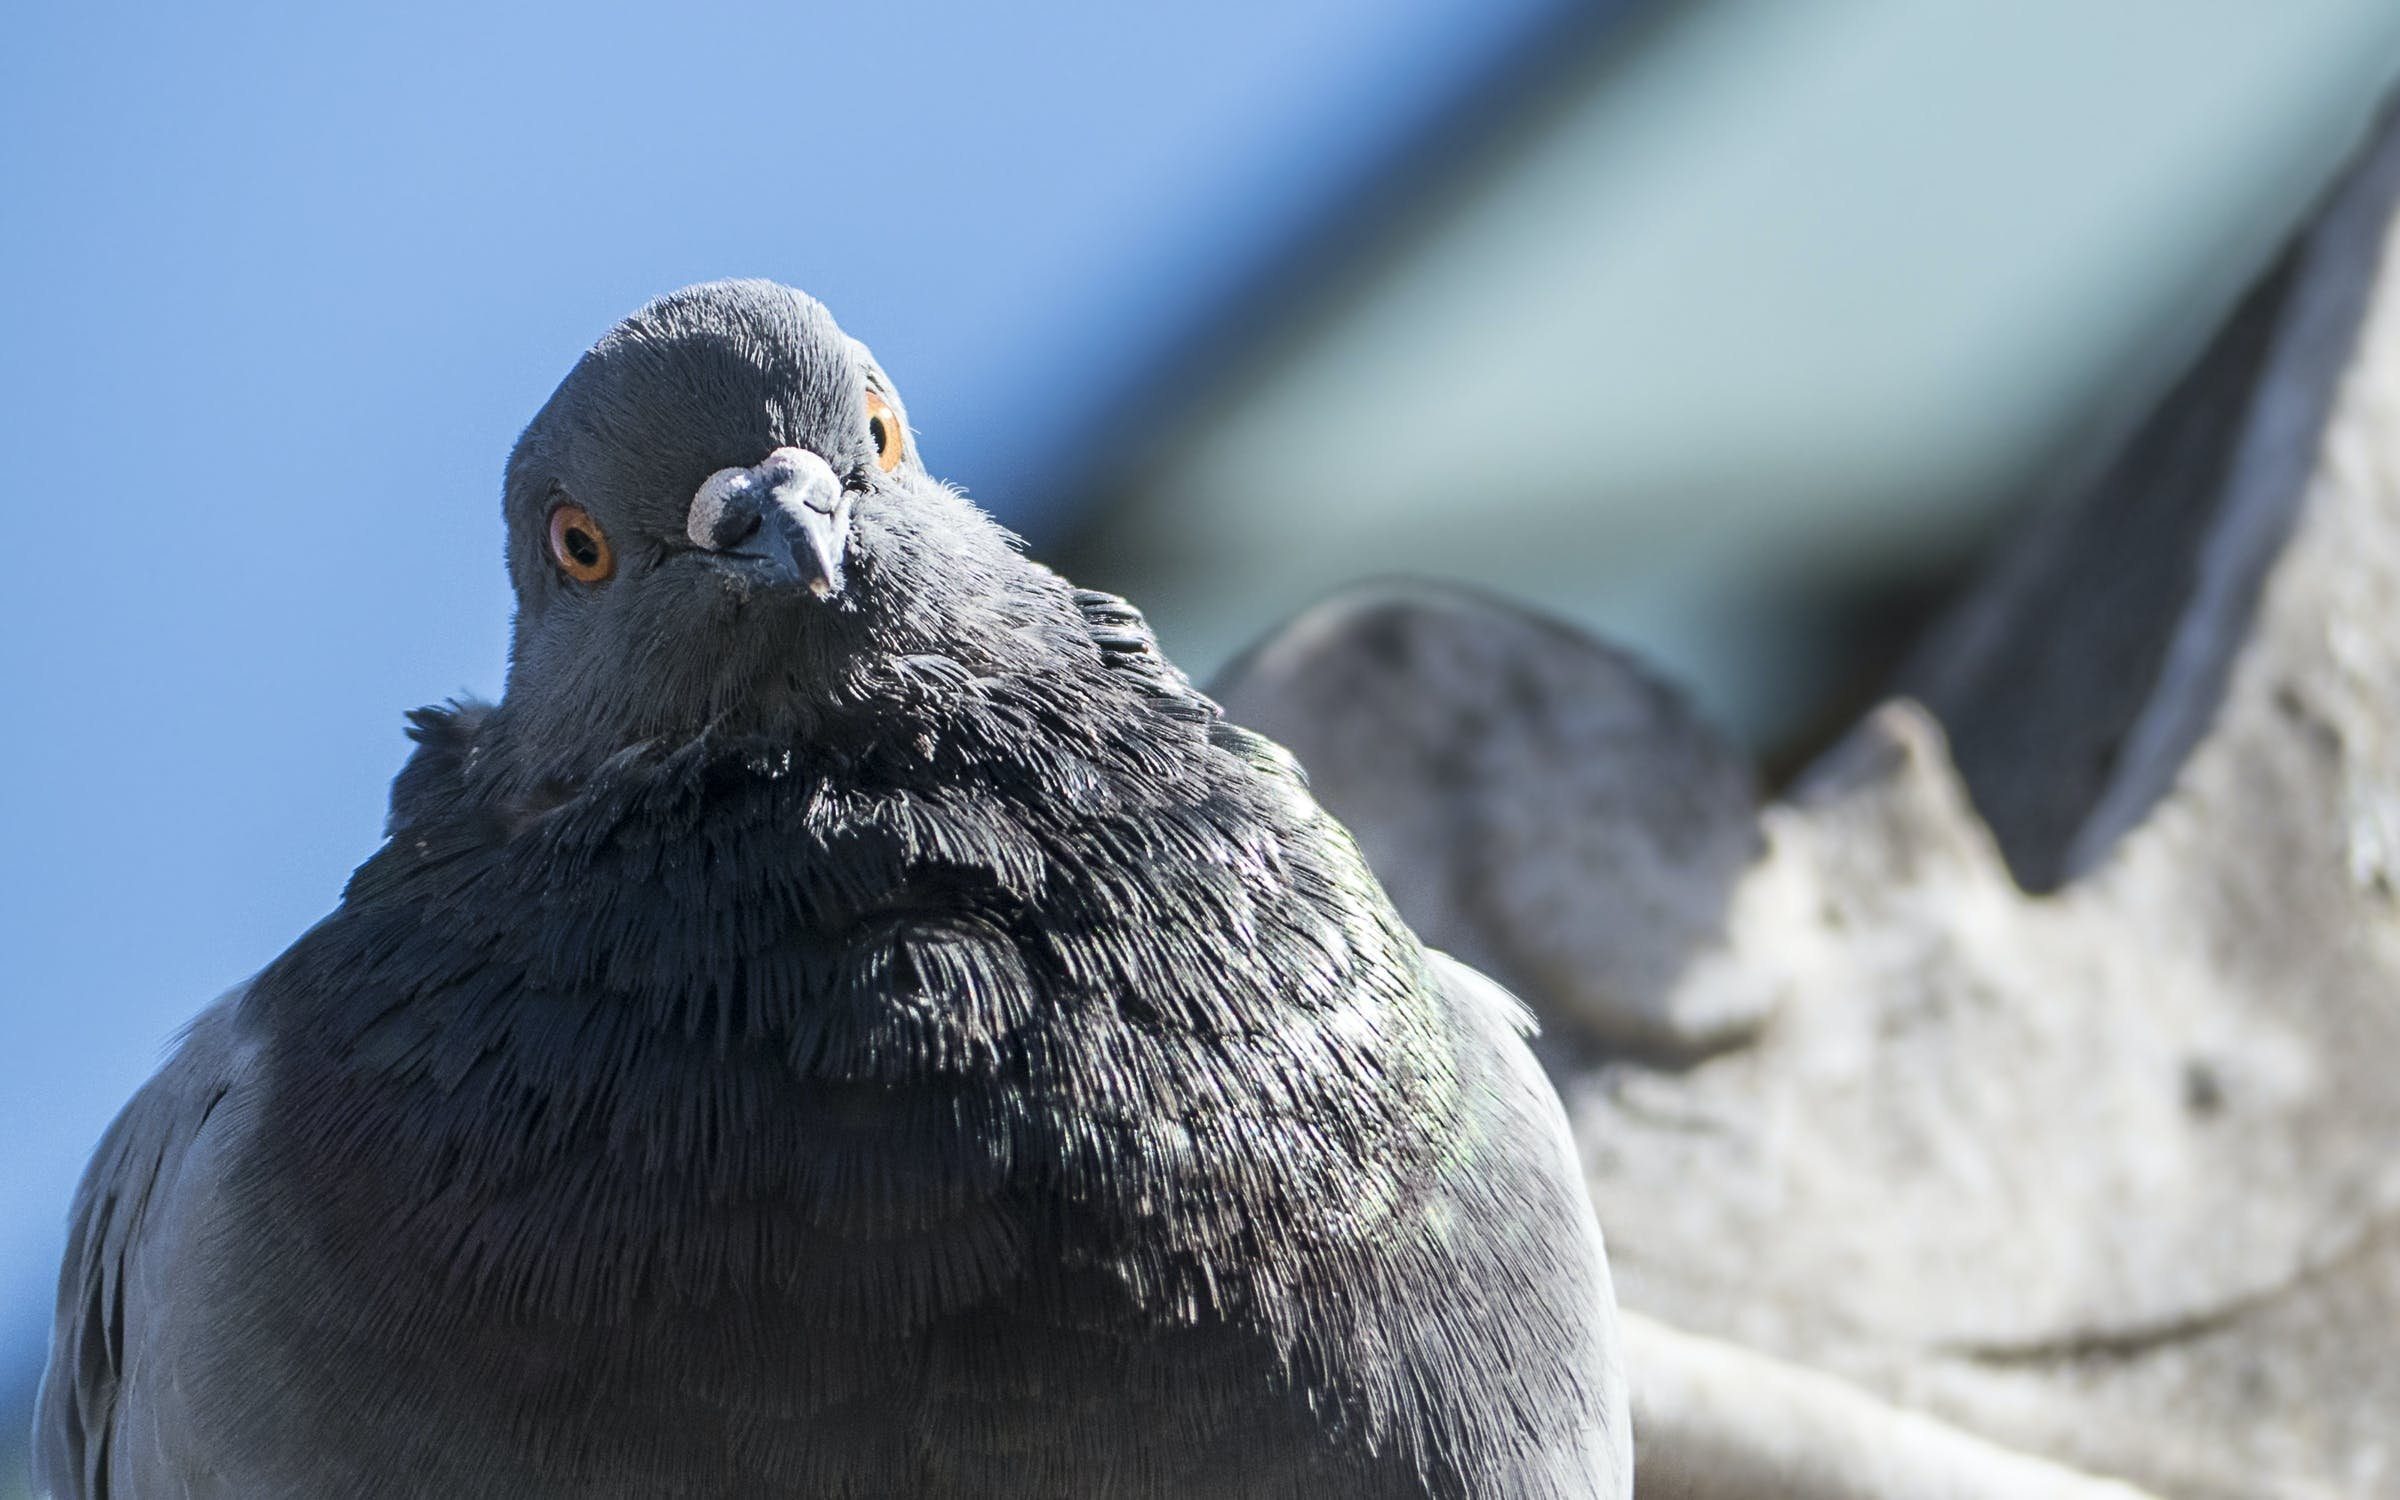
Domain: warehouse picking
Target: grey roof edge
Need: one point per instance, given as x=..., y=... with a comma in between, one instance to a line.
x=1307, y=282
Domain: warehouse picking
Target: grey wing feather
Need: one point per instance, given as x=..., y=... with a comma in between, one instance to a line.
x=1536, y=1125
x=106, y=1293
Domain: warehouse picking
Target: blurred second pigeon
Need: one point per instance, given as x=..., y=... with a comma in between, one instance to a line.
x=851, y=1021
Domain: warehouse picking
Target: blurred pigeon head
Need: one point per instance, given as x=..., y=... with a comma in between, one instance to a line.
x=717, y=518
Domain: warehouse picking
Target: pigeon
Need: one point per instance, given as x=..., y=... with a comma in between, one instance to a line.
x=851, y=1020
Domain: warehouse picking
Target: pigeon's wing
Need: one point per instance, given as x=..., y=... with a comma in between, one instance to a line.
x=92, y=1438
x=1523, y=1155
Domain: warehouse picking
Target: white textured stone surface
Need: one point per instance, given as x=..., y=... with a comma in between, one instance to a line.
x=2109, y=1176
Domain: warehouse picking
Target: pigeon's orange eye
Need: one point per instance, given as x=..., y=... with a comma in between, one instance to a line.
x=883, y=425
x=580, y=546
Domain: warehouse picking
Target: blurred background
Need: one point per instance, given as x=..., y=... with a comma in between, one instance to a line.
x=1733, y=328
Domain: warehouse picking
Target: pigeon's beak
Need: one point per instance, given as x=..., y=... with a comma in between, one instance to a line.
x=787, y=516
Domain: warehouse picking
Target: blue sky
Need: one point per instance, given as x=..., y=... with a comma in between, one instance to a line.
x=286, y=281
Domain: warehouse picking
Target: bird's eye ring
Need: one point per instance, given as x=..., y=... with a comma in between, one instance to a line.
x=883, y=425
x=579, y=546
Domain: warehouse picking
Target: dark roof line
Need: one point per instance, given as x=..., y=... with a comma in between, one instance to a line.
x=1299, y=285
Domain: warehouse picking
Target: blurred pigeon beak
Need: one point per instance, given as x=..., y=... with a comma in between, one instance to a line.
x=787, y=514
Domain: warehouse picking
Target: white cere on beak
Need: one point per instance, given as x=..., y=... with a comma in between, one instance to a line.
x=792, y=478
x=708, y=504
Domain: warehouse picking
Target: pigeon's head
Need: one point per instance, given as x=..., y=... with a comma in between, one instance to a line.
x=719, y=523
